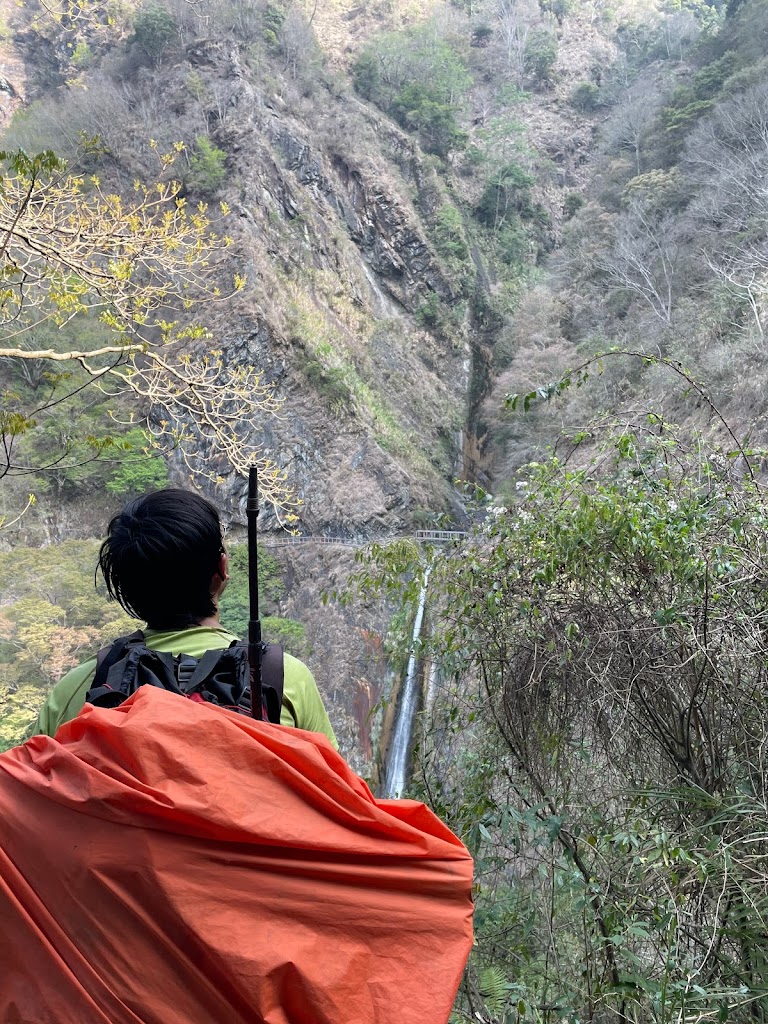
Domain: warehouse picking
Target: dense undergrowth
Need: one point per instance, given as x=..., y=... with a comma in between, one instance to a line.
x=598, y=735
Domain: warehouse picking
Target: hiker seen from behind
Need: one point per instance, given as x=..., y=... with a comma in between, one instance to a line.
x=164, y=562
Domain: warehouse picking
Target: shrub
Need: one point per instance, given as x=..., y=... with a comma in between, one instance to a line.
x=746, y=77
x=417, y=108
x=429, y=312
x=289, y=633
x=273, y=18
x=481, y=35
x=450, y=240
x=586, y=96
x=234, y=604
x=366, y=75
x=81, y=54
x=331, y=384
x=573, y=202
x=708, y=82
x=507, y=191
x=207, y=166
x=153, y=30
x=601, y=748
x=540, y=55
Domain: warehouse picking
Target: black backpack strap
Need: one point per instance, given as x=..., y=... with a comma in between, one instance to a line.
x=109, y=656
x=273, y=680
x=203, y=669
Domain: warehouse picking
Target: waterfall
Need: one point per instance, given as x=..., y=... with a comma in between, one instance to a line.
x=397, y=762
x=434, y=670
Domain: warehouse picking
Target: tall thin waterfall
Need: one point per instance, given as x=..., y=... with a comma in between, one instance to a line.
x=397, y=762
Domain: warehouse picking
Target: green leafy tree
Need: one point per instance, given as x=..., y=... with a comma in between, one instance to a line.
x=207, y=166
x=234, y=606
x=154, y=29
x=506, y=194
x=540, y=55
x=139, y=467
x=421, y=78
x=417, y=109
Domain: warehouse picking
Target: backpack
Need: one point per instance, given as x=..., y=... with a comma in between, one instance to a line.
x=221, y=677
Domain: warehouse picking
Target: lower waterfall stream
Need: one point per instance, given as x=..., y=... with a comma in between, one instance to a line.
x=397, y=761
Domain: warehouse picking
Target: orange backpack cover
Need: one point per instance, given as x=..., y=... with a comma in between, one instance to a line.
x=167, y=862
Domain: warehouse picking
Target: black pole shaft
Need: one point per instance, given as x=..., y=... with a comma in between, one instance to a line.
x=255, y=649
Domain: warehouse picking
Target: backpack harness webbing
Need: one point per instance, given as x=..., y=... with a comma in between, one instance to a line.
x=221, y=677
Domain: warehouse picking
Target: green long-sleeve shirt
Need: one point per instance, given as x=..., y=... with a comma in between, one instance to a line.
x=302, y=704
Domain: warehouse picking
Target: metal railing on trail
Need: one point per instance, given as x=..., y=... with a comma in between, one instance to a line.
x=422, y=536
x=440, y=536
x=286, y=542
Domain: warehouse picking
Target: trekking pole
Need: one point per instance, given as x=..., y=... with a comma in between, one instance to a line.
x=255, y=646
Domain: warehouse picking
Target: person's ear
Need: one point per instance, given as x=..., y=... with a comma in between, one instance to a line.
x=221, y=576
x=223, y=568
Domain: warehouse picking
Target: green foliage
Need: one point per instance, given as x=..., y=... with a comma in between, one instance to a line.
x=139, y=469
x=746, y=77
x=506, y=193
x=234, y=603
x=52, y=619
x=708, y=82
x=599, y=748
x=207, y=166
x=417, y=108
x=438, y=315
x=154, y=28
x=680, y=120
x=234, y=608
x=451, y=242
x=572, y=204
x=482, y=35
x=586, y=97
x=289, y=633
x=273, y=18
x=540, y=55
x=657, y=190
x=559, y=8
x=512, y=243
x=332, y=386
x=81, y=54
x=420, y=78
x=366, y=74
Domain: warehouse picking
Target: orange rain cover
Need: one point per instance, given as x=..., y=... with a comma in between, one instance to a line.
x=171, y=863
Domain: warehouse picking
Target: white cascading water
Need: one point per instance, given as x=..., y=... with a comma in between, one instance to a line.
x=397, y=762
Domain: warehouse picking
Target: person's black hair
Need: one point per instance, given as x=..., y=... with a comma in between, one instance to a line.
x=160, y=555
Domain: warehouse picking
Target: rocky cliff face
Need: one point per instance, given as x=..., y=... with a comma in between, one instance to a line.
x=330, y=234
x=329, y=214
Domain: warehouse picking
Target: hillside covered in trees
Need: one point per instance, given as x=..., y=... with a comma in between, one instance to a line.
x=494, y=265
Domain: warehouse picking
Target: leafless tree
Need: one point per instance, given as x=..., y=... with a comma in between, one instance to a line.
x=645, y=258
x=297, y=41
x=628, y=127
x=726, y=160
x=514, y=20
x=679, y=31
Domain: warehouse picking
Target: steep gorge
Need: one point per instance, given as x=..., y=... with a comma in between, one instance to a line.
x=382, y=297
